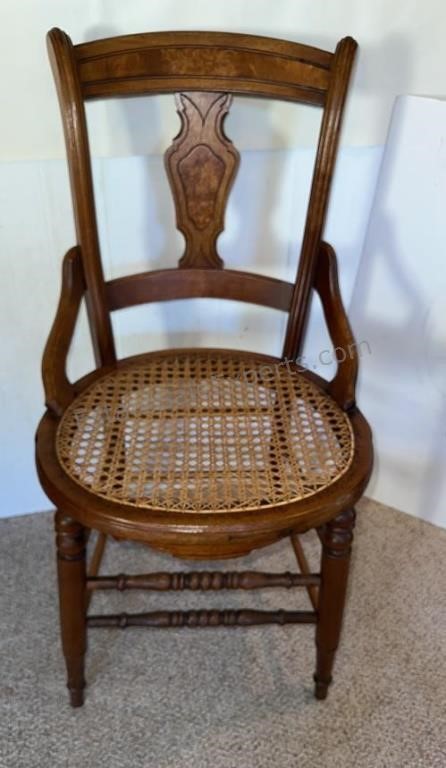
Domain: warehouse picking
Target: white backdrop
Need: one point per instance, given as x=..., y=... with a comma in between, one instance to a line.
x=399, y=53
x=399, y=306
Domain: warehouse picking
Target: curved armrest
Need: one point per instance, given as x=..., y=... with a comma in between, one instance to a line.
x=59, y=391
x=342, y=387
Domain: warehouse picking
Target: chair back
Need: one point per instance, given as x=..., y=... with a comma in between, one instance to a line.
x=204, y=70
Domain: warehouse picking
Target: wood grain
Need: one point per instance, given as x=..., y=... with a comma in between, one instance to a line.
x=201, y=166
x=71, y=551
x=171, y=62
x=319, y=195
x=336, y=551
x=202, y=580
x=59, y=392
x=302, y=562
x=203, y=618
x=326, y=283
x=61, y=54
x=169, y=284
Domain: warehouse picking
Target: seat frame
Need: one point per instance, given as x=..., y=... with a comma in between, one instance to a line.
x=179, y=63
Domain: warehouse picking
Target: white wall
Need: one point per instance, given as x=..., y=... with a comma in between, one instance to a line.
x=399, y=306
x=400, y=52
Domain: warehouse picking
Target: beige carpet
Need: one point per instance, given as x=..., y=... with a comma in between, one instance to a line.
x=237, y=698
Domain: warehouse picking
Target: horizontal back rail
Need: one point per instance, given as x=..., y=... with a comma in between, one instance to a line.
x=170, y=62
x=167, y=284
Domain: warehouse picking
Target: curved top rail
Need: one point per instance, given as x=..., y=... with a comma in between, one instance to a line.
x=167, y=62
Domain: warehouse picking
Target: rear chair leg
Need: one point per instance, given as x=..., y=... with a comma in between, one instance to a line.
x=71, y=568
x=336, y=536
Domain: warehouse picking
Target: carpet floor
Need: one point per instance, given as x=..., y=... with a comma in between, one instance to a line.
x=238, y=698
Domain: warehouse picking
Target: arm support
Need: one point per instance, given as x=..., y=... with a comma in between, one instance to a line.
x=342, y=387
x=59, y=391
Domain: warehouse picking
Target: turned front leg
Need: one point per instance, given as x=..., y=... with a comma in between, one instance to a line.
x=71, y=569
x=337, y=536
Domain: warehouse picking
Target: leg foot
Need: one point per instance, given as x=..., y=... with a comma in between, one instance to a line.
x=337, y=536
x=321, y=689
x=76, y=679
x=71, y=568
x=76, y=697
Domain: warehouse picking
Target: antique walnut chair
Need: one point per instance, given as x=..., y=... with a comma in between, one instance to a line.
x=201, y=453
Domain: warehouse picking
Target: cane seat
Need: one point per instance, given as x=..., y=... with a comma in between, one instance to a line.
x=204, y=430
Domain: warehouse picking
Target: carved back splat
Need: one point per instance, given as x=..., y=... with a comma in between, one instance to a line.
x=201, y=165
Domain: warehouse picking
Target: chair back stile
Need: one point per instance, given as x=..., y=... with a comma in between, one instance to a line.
x=203, y=70
x=63, y=63
x=319, y=195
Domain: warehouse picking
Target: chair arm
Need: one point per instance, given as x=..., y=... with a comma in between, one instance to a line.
x=59, y=392
x=342, y=386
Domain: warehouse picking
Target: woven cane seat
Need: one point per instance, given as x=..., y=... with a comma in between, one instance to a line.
x=204, y=431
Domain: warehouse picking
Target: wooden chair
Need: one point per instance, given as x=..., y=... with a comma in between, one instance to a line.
x=202, y=453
